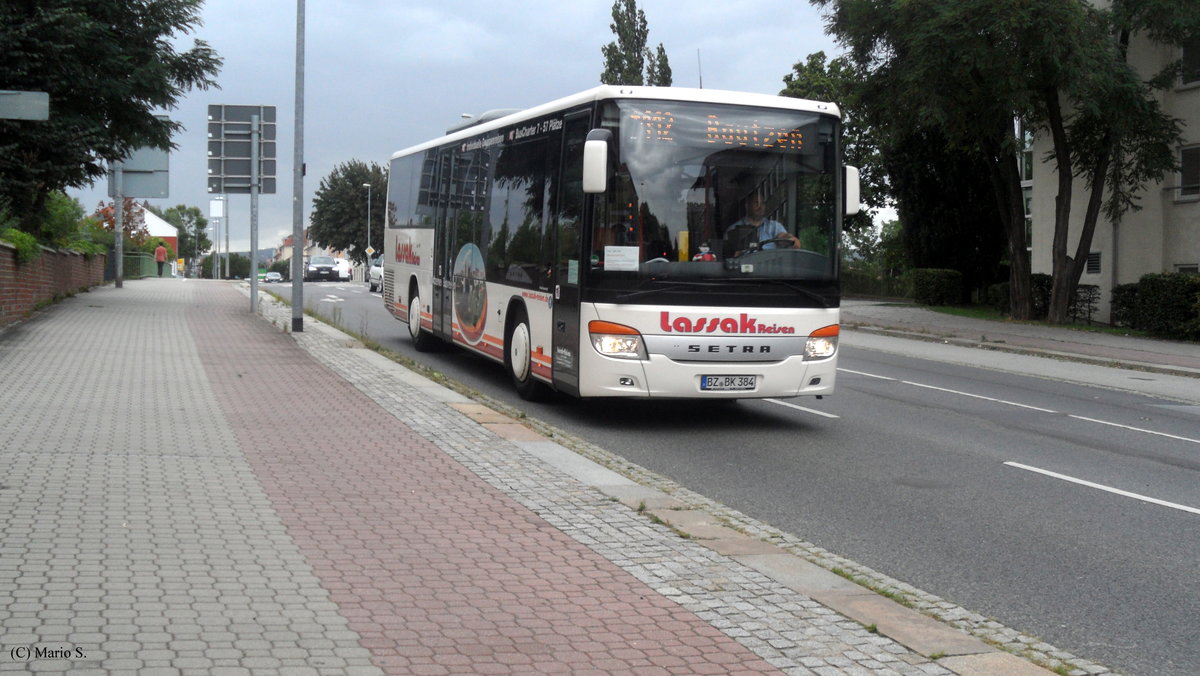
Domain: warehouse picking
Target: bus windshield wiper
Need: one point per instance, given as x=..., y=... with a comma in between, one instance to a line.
x=675, y=286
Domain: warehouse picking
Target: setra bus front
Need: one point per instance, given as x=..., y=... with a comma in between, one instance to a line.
x=712, y=269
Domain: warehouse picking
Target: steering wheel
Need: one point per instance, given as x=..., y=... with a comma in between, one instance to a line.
x=779, y=242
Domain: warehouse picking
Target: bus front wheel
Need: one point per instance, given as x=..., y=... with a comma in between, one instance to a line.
x=518, y=357
x=423, y=342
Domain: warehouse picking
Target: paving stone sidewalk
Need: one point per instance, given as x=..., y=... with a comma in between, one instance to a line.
x=190, y=489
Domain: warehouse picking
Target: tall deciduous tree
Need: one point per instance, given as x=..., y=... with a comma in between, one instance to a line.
x=970, y=67
x=839, y=81
x=62, y=221
x=109, y=67
x=133, y=222
x=339, y=217
x=658, y=68
x=627, y=60
x=941, y=194
x=944, y=200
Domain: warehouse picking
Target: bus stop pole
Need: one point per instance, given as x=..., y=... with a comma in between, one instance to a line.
x=118, y=224
x=254, y=189
x=298, y=181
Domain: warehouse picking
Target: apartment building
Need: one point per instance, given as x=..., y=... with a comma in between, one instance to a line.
x=1164, y=236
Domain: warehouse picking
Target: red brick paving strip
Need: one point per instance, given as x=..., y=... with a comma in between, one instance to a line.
x=436, y=570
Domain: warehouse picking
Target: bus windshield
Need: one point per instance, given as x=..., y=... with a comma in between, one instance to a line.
x=709, y=195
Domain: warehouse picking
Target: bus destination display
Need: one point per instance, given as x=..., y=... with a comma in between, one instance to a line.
x=658, y=125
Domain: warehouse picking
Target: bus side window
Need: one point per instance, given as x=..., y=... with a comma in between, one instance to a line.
x=517, y=215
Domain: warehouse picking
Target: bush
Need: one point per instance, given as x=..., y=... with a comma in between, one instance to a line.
x=1039, y=291
x=1084, y=303
x=1124, y=305
x=933, y=286
x=867, y=283
x=1040, y=285
x=1192, y=328
x=1167, y=304
x=998, y=297
x=87, y=248
x=27, y=245
x=60, y=219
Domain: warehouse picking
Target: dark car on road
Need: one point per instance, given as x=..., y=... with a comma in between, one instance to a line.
x=321, y=267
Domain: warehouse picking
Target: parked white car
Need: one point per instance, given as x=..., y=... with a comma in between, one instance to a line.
x=344, y=270
x=375, y=275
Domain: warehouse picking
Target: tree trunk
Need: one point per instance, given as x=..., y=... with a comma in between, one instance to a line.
x=1067, y=270
x=1010, y=201
x=30, y=220
x=1061, y=288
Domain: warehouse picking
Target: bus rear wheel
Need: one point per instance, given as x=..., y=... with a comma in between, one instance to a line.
x=518, y=357
x=422, y=342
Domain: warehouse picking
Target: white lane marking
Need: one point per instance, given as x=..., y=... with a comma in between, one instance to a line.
x=801, y=408
x=1110, y=489
x=1032, y=408
x=869, y=375
x=949, y=391
x=1135, y=429
x=978, y=396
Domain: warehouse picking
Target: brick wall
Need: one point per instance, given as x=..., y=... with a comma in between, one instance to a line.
x=54, y=274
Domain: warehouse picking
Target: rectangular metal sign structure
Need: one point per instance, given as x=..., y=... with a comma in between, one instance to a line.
x=229, y=151
x=16, y=105
x=145, y=174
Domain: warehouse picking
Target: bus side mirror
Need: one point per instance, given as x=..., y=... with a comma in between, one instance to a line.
x=850, y=180
x=595, y=161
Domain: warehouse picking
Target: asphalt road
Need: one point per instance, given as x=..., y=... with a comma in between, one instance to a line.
x=1065, y=511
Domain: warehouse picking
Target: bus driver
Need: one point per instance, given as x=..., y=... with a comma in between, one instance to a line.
x=767, y=232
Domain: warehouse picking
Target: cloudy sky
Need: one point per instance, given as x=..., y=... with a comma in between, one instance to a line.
x=381, y=75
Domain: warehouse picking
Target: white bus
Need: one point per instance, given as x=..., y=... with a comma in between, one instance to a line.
x=604, y=244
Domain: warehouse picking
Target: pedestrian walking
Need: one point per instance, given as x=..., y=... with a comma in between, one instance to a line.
x=160, y=257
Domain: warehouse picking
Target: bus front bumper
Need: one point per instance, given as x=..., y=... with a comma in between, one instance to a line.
x=661, y=377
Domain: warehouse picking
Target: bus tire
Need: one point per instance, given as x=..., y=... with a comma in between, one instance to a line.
x=422, y=342
x=518, y=356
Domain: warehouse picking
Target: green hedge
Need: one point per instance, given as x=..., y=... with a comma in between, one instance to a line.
x=1039, y=289
x=1083, y=304
x=932, y=286
x=1123, y=311
x=1168, y=305
x=864, y=283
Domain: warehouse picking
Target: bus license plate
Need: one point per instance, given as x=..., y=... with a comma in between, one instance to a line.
x=728, y=382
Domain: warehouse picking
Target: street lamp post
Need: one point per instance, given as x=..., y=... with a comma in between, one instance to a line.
x=370, y=251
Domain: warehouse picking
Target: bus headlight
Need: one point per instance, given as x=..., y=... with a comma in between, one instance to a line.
x=822, y=343
x=617, y=340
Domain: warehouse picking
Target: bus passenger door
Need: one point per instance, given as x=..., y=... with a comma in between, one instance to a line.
x=443, y=274
x=567, y=220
